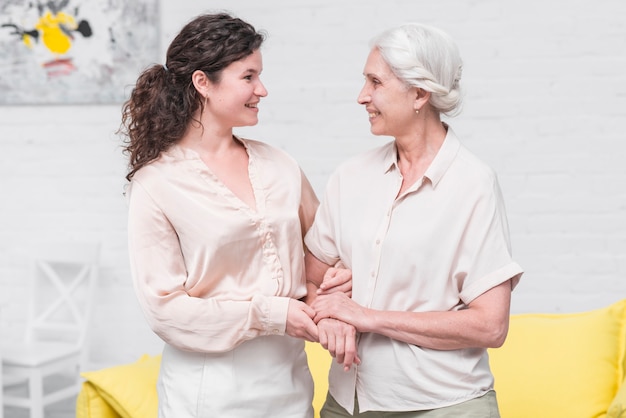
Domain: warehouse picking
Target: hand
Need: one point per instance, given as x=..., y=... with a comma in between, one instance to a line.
x=339, y=306
x=339, y=339
x=300, y=321
x=336, y=280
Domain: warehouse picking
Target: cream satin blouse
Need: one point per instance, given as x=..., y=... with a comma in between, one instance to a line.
x=210, y=272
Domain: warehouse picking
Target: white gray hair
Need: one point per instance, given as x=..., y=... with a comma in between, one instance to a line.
x=425, y=57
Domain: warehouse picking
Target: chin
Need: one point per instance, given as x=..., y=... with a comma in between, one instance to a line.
x=249, y=122
x=376, y=132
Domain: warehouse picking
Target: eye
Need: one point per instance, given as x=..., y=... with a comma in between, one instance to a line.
x=372, y=80
x=248, y=77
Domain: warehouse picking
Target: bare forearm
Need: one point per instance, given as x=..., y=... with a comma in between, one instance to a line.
x=436, y=330
x=311, y=292
x=484, y=323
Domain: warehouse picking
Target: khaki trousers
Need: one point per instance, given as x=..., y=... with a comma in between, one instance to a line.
x=485, y=406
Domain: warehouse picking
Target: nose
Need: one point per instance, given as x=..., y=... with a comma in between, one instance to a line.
x=364, y=96
x=260, y=90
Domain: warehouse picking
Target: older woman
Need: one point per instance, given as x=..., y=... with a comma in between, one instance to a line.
x=422, y=224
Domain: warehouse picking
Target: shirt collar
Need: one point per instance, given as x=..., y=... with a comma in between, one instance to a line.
x=390, y=157
x=179, y=152
x=444, y=158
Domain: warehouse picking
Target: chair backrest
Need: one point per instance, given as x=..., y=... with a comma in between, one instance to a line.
x=63, y=282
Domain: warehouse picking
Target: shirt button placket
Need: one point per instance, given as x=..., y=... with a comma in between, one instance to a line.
x=382, y=232
x=270, y=256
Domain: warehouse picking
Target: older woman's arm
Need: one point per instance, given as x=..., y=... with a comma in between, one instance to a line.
x=484, y=323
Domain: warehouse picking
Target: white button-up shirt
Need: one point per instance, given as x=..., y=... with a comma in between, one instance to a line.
x=437, y=247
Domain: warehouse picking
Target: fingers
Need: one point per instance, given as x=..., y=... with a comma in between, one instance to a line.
x=311, y=333
x=308, y=310
x=328, y=289
x=335, y=280
x=321, y=315
x=340, y=340
x=299, y=321
x=350, y=353
x=335, y=305
x=323, y=338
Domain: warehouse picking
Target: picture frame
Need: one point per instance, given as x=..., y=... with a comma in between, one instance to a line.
x=74, y=51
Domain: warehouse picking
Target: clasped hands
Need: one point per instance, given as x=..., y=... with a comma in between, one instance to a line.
x=331, y=319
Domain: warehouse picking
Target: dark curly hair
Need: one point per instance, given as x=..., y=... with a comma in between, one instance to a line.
x=164, y=99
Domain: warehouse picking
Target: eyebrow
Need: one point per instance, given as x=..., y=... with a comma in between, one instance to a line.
x=382, y=77
x=372, y=75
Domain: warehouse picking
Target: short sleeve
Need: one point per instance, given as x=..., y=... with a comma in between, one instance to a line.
x=485, y=259
x=320, y=240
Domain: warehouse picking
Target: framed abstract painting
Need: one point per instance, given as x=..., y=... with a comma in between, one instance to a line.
x=74, y=51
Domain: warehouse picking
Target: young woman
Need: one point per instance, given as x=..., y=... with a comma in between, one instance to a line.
x=215, y=231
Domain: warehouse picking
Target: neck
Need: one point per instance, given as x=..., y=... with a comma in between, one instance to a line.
x=208, y=139
x=422, y=144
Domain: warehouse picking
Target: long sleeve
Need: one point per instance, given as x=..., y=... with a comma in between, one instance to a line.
x=180, y=319
x=210, y=272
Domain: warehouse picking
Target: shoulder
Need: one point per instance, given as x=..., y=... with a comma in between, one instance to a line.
x=474, y=169
x=467, y=167
x=265, y=150
x=154, y=170
x=270, y=155
x=470, y=178
x=169, y=168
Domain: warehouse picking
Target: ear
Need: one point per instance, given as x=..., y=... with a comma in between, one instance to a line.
x=201, y=82
x=421, y=98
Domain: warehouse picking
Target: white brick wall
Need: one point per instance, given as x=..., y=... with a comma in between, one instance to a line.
x=546, y=98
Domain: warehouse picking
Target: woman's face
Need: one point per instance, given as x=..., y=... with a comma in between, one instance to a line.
x=233, y=100
x=388, y=101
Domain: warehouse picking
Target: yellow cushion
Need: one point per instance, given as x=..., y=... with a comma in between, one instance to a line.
x=89, y=404
x=319, y=360
x=561, y=365
x=618, y=406
x=129, y=389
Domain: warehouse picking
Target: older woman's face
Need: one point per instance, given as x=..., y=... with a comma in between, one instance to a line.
x=388, y=101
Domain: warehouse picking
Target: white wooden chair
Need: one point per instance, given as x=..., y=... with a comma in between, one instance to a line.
x=48, y=361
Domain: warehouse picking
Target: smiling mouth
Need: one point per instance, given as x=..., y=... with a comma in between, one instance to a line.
x=373, y=114
x=251, y=105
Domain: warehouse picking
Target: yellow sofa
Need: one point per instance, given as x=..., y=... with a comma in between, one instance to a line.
x=551, y=366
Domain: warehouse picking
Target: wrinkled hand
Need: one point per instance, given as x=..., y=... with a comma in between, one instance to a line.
x=339, y=306
x=339, y=339
x=300, y=321
x=336, y=280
